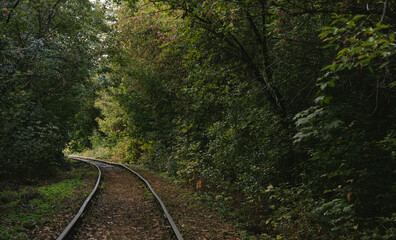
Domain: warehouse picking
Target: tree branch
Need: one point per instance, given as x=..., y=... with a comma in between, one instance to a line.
x=12, y=11
x=52, y=13
x=384, y=11
x=272, y=93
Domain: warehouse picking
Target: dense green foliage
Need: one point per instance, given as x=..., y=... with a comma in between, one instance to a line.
x=285, y=108
x=47, y=50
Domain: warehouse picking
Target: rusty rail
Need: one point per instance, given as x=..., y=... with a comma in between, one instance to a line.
x=74, y=221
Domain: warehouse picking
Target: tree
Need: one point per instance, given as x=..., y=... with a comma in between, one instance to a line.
x=47, y=51
x=284, y=107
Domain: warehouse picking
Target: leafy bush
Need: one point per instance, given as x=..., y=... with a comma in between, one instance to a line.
x=46, y=53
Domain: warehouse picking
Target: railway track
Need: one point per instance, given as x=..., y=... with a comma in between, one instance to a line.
x=102, y=166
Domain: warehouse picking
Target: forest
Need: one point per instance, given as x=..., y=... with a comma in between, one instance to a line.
x=283, y=109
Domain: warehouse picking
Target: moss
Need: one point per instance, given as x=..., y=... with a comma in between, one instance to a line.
x=23, y=209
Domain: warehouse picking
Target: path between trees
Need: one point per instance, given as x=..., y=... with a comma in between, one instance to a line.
x=125, y=209
x=122, y=210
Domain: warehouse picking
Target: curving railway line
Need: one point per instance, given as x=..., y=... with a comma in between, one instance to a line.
x=131, y=215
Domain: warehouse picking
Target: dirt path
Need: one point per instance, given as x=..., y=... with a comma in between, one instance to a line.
x=192, y=216
x=123, y=210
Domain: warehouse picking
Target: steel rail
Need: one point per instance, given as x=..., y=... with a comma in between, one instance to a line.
x=73, y=222
x=165, y=211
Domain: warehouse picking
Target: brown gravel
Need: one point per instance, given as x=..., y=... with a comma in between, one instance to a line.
x=122, y=210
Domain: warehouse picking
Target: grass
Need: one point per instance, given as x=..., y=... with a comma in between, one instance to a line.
x=23, y=209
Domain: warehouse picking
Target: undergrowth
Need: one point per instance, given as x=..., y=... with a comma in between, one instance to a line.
x=26, y=207
x=286, y=212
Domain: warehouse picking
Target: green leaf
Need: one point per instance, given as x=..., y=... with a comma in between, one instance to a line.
x=357, y=17
x=338, y=67
x=319, y=99
x=323, y=34
x=327, y=99
x=330, y=45
x=386, y=54
x=330, y=67
x=392, y=37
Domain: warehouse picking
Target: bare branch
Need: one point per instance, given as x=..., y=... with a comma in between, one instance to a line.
x=384, y=11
